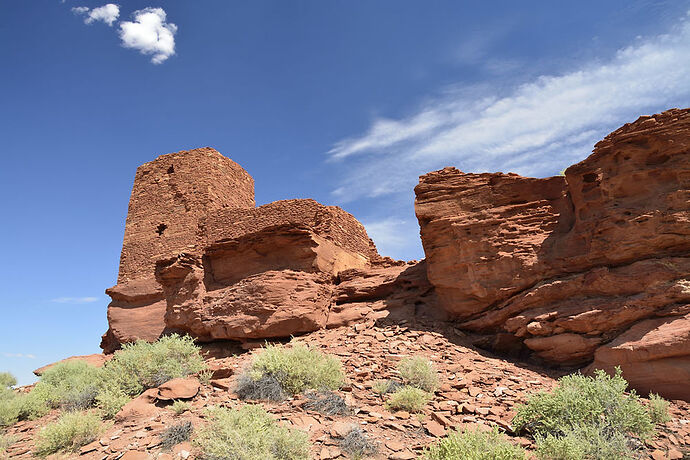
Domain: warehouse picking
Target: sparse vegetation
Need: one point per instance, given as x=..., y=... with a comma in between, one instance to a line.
x=658, y=409
x=176, y=434
x=71, y=385
x=71, y=431
x=142, y=365
x=5, y=442
x=419, y=373
x=180, y=407
x=356, y=444
x=474, y=445
x=408, y=398
x=586, y=417
x=382, y=387
x=326, y=402
x=249, y=433
x=294, y=369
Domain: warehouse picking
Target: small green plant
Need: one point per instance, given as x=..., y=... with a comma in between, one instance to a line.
x=474, y=445
x=326, y=402
x=419, y=372
x=176, y=434
x=249, y=433
x=382, y=387
x=410, y=399
x=70, y=384
x=70, y=432
x=356, y=444
x=658, y=409
x=589, y=417
x=179, y=407
x=110, y=400
x=295, y=369
x=142, y=365
x=205, y=376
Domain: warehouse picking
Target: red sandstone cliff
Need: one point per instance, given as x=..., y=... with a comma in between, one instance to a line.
x=593, y=266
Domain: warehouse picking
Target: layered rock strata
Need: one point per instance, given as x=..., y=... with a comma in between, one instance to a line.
x=199, y=258
x=592, y=267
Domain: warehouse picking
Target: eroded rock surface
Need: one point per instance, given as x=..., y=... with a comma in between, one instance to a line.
x=199, y=258
x=591, y=266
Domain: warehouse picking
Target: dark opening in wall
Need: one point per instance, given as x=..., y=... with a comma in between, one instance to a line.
x=171, y=169
x=160, y=229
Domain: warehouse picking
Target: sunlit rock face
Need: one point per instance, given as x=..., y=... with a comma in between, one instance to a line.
x=592, y=267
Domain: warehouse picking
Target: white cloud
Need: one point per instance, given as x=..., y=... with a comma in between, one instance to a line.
x=19, y=355
x=392, y=236
x=536, y=128
x=75, y=299
x=107, y=13
x=150, y=34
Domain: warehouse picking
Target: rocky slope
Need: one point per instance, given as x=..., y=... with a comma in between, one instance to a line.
x=592, y=267
x=477, y=389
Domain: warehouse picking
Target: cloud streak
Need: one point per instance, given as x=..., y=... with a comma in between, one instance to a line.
x=107, y=14
x=75, y=300
x=19, y=355
x=534, y=129
x=149, y=33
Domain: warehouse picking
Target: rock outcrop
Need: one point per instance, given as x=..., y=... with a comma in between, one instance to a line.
x=199, y=258
x=592, y=266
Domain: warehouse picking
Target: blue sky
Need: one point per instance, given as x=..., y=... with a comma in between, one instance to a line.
x=346, y=102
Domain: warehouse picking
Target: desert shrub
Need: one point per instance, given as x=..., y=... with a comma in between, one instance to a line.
x=297, y=368
x=356, y=444
x=7, y=380
x=418, y=372
x=249, y=433
x=382, y=387
x=176, y=434
x=71, y=383
x=70, y=432
x=588, y=416
x=142, y=365
x=581, y=400
x=586, y=442
x=326, y=402
x=22, y=407
x=9, y=411
x=110, y=400
x=179, y=407
x=474, y=445
x=658, y=409
x=408, y=398
x=255, y=385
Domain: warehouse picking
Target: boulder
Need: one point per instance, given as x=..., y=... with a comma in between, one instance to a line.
x=180, y=388
x=592, y=263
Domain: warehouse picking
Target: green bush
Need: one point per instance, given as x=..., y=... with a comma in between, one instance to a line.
x=658, y=409
x=7, y=380
x=474, y=445
x=70, y=432
x=419, y=372
x=247, y=434
x=585, y=442
x=14, y=407
x=179, y=407
x=110, y=400
x=296, y=369
x=586, y=416
x=407, y=398
x=142, y=365
x=72, y=385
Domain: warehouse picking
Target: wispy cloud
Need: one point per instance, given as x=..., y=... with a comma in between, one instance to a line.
x=107, y=13
x=535, y=129
x=149, y=33
x=19, y=355
x=75, y=299
x=392, y=235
